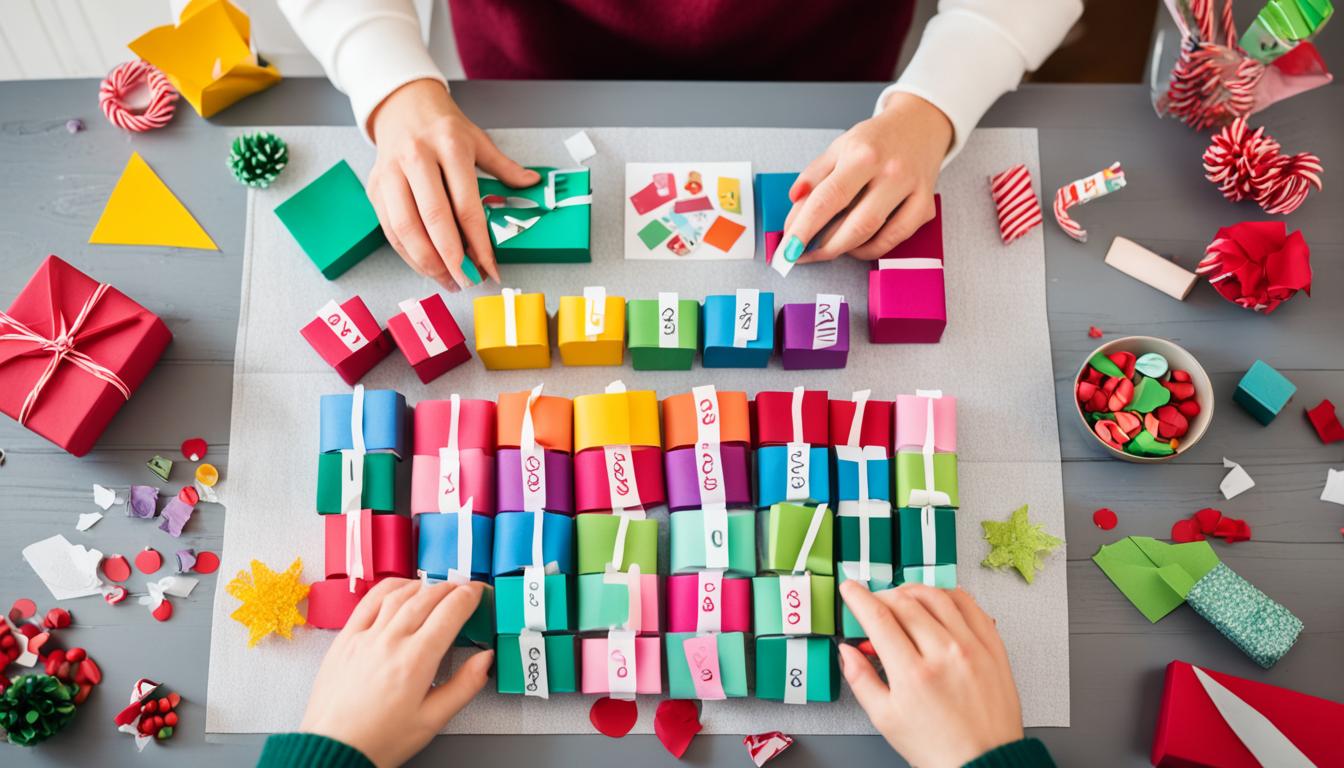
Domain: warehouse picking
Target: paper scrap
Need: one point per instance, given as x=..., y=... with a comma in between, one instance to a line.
x=142, y=210
x=186, y=560
x=176, y=514
x=613, y=717
x=1153, y=575
x=1334, y=487
x=1237, y=481
x=270, y=600
x=68, y=570
x=104, y=497
x=764, y=746
x=87, y=520
x=667, y=221
x=143, y=502
x=176, y=586
x=580, y=147
x=675, y=723
x=1018, y=543
x=723, y=234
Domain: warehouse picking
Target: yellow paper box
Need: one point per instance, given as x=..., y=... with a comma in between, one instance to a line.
x=578, y=348
x=533, y=344
x=207, y=55
x=616, y=418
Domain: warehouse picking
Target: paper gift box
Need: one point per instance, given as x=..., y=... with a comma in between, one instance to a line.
x=513, y=542
x=114, y=347
x=554, y=479
x=773, y=206
x=1208, y=718
x=782, y=530
x=604, y=602
x=928, y=535
x=768, y=607
x=331, y=601
x=648, y=664
x=348, y=338
x=772, y=418
x=941, y=576
x=876, y=471
x=580, y=341
x=552, y=421
x=814, y=336
x=383, y=422
x=428, y=337
x=385, y=545
x=810, y=670
x=912, y=414
x=907, y=303
x=333, y=221
x=687, y=548
x=616, y=418
x=529, y=344
x=597, y=470
x=682, y=415
x=880, y=578
x=776, y=479
x=910, y=476
x=438, y=545
x=663, y=338
x=739, y=329
x=853, y=516
x=207, y=55
x=434, y=422
x=546, y=223
x=562, y=664
x=1263, y=391
x=685, y=602
x=475, y=484
x=511, y=591
x=876, y=427
x=379, y=491
x=597, y=543
x=479, y=631
x=683, y=476
x=691, y=676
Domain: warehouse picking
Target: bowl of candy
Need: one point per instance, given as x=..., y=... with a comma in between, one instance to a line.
x=1145, y=399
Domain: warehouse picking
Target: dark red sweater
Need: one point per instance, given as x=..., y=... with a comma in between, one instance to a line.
x=681, y=39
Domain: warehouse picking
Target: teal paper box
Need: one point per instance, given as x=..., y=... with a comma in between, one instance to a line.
x=510, y=593
x=732, y=661
x=772, y=480
x=727, y=343
x=688, y=542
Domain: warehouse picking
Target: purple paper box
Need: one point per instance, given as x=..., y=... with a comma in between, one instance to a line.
x=509, y=481
x=813, y=336
x=683, y=477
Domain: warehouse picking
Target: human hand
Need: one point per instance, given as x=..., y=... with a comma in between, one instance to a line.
x=375, y=691
x=423, y=184
x=949, y=696
x=872, y=188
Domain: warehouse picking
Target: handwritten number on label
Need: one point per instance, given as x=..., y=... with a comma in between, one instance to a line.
x=669, y=316
x=533, y=669
x=744, y=318
x=622, y=671
x=342, y=328
x=797, y=480
x=532, y=465
x=795, y=677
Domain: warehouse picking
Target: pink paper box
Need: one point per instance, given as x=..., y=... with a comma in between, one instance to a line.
x=683, y=595
x=648, y=664
x=433, y=422
x=912, y=412
x=428, y=337
x=592, y=492
x=476, y=473
x=906, y=302
x=348, y=338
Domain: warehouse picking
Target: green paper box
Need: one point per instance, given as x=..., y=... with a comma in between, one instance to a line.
x=732, y=665
x=782, y=530
x=881, y=577
x=604, y=605
x=910, y=474
x=561, y=234
x=944, y=525
x=479, y=631
x=941, y=576
x=822, y=680
x=597, y=542
x=879, y=533
x=333, y=221
x=765, y=611
x=562, y=669
x=643, y=325
x=688, y=542
x=380, y=483
x=509, y=594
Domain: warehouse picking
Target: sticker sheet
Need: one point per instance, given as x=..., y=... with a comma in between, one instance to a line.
x=690, y=211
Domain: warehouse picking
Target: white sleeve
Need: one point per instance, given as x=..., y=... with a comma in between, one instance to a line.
x=369, y=48
x=974, y=51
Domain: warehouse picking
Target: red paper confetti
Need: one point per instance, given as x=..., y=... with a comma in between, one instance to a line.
x=764, y=746
x=1018, y=208
x=22, y=610
x=164, y=611
x=115, y=568
x=194, y=448
x=1325, y=422
x=114, y=595
x=1185, y=531
x=866, y=648
x=1105, y=518
x=676, y=722
x=1210, y=522
x=56, y=618
x=1248, y=165
x=1094, y=332
x=612, y=717
x=206, y=562
x=149, y=560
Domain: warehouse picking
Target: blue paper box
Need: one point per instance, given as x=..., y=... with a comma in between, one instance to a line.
x=384, y=422
x=438, y=545
x=718, y=322
x=847, y=477
x=513, y=541
x=772, y=477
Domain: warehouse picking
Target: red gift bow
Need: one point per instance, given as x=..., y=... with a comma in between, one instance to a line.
x=62, y=348
x=1257, y=264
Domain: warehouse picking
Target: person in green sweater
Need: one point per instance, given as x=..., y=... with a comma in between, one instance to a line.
x=948, y=699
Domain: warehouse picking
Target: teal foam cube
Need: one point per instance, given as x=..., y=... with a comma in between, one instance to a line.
x=1263, y=392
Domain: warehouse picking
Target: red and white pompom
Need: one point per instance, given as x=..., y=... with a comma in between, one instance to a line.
x=1248, y=165
x=121, y=81
x=1018, y=208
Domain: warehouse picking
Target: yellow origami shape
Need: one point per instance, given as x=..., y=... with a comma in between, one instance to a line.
x=208, y=55
x=142, y=210
x=270, y=600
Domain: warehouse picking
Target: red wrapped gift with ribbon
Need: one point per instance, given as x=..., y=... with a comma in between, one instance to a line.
x=72, y=352
x=368, y=546
x=774, y=416
x=1257, y=264
x=876, y=421
x=348, y=338
x=618, y=476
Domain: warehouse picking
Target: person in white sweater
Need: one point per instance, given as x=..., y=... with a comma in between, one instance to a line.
x=870, y=190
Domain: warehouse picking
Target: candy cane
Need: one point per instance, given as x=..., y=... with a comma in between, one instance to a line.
x=120, y=81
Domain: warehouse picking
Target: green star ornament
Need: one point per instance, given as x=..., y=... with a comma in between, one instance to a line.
x=1018, y=543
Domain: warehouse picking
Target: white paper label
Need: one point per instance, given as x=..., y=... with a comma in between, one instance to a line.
x=594, y=311
x=708, y=454
x=341, y=326
x=716, y=535
x=826, y=320
x=450, y=480
x=860, y=399
x=621, y=664
x=534, y=597
x=795, y=670
x=795, y=603
x=532, y=462
x=809, y=539
x=798, y=471
x=909, y=263
x=424, y=330
x=532, y=652
x=621, y=482
x=746, y=316
x=709, y=602
x=354, y=547
x=669, y=324
x=510, y=296
x=928, y=535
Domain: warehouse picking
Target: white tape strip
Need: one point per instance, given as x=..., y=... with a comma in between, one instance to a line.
x=424, y=330
x=510, y=296
x=826, y=320
x=669, y=322
x=709, y=601
x=929, y=496
x=708, y=452
x=860, y=399
x=341, y=326
x=928, y=535
x=352, y=489
x=746, y=316
x=594, y=311
x=532, y=652
x=909, y=263
x=795, y=603
x=532, y=465
x=621, y=664
x=534, y=597
x=795, y=669
x=621, y=483
x=450, y=461
x=716, y=535
x=462, y=573
x=813, y=527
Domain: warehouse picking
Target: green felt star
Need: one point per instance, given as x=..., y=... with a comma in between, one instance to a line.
x=1018, y=543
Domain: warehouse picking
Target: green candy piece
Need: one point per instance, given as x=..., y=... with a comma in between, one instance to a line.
x=1147, y=445
x=1152, y=364
x=1149, y=395
x=1103, y=363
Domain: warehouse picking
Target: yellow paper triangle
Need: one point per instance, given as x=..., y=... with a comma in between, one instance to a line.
x=144, y=211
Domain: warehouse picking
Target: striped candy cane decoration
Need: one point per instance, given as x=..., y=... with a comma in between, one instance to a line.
x=1099, y=184
x=1016, y=203
x=120, y=81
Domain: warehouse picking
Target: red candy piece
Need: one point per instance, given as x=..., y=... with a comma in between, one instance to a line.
x=1093, y=376
x=1105, y=519
x=36, y=640
x=613, y=717
x=1128, y=421
x=1188, y=408
x=114, y=595
x=164, y=612
x=149, y=560
x=1180, y=390
x=866, y=648
x=174, y=699
x=115, y=568
x=1325, y=422
x=22, y=610
x=1151, y=423
x=170, y=719
x=56, y=618
x=75, y=655
x=1122, y=396
x=1232, y=530
x=1085, y=391
x=206, y=562
x=1094, y=331
x=84, y=690
x=89, y=672
x=676, y=722
x=1173, y=422
x=189, y=495
x=194, y=448
x=1110, y=434
x=1178, y=375
x=1124, y=361
x=1185, y=531
x=1207, y=519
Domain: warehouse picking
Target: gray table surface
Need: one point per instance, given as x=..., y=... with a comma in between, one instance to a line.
x=54, y=185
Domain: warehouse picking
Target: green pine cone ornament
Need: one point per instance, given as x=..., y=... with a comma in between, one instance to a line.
x=256, y=159
x=36, y=707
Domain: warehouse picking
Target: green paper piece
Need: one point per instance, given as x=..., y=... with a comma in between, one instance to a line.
x=642, y=327
x=1018, y=543
x=380, y=483
x=479, y=631
x=910, y=475
x=1262, y=628
x=160, y=466
x=882, y=577
x=732, y=647
x=911, y=535
x=1152, y=364
x=561, y=664
x=687, y=532
x=940, y=576
x=597, y=542
x=604, y=606
x=653, y=234
x=782, y=530
x=765, y=613
x=509, y=604
x=823, y=670
x=1144, y=444
x=561, y=236
x=879, y=538
x=333, y=221
x=1154, y=575
x=1149, y=395
x=1103, y=363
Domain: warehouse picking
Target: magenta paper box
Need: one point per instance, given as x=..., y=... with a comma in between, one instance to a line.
x=648, y=663
x=684, y=602
x=814, y=336
x=906, y=302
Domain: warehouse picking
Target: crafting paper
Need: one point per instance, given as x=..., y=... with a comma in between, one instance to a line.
x=687, y=532
x=143, y=502
x=332, y=221
x=142, y=210
x=1155, y=576
x=1237, y=480
x=685, y=468
x=68, y=570
x=104, y=497
x=704, y=218
x=815, y=674
x=580, y=147
x=87, y=520
x=1151, y=269
x=708, y=667
x=739, y=329
x=383, y=420
x=686, y=608
x=1334, y=486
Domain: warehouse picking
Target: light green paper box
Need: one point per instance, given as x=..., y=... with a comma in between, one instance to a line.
x=642, y=325
x=766, y=617
x=910, y=475
x=732, y=665
x=509, y=594
x=333, y=221
x=823, y=671
x=561, y=664
x=782, y=529
x=688, y=542
x=561, y=236
x=597, y=542
x=604, y=605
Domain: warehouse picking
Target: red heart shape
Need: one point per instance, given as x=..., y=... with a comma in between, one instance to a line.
x=1207, y=519
x=612, y=717
x=1184, y=532
x=676, y=723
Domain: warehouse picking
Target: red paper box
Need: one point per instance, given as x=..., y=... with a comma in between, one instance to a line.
x=1192, y=732
x=348, y=338
x=879, y=417
x=428, y=336
x=68, y=392
x=772, y=418
x=384, y=545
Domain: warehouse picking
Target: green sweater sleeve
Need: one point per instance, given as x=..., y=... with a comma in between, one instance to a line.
x=308, y=750
x=1027, y=753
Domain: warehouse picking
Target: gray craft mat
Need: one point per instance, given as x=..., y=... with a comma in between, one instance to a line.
x=994, y=357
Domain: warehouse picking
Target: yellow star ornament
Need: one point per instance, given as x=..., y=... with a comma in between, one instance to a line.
x=270, y=600
x=1018, y=543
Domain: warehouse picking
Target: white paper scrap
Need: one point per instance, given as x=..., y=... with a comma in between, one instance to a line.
x=103, y=497
x=580, y=147
x=68, y=570
x=1237, y=481
x=87, y=520
x=1334, y=487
